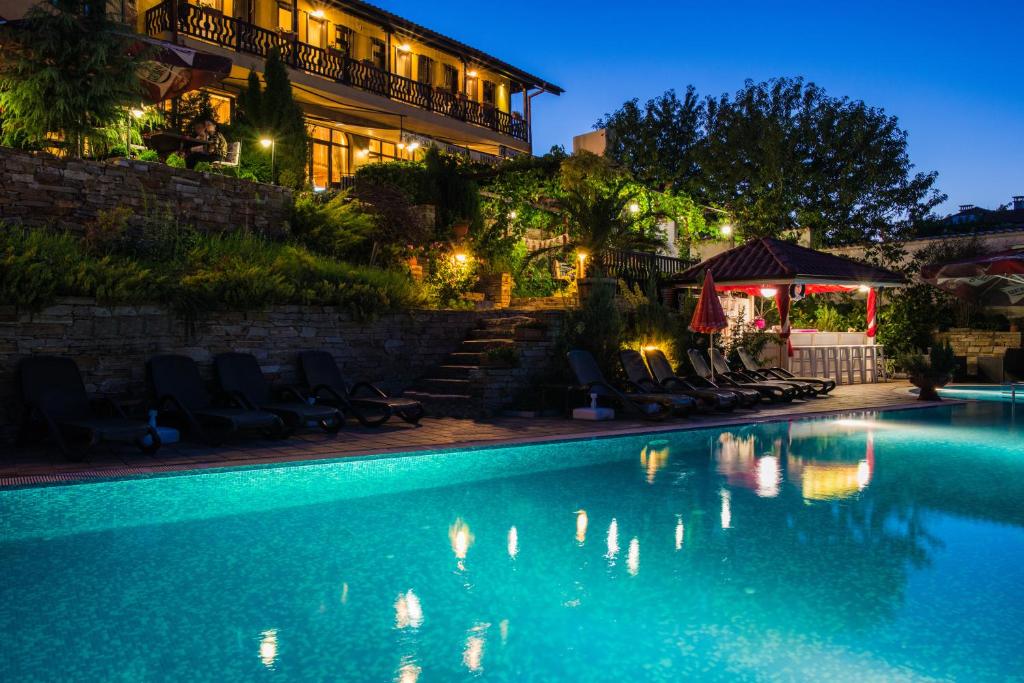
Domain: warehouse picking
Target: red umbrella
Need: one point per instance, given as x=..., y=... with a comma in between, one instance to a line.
x=173, y=69
x=991, y=280
x=708, y=317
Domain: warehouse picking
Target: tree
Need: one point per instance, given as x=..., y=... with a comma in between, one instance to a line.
x=272, y=112
x=67, y=70
x=778, y=155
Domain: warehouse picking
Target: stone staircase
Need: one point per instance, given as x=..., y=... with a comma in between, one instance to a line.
x=456, y=387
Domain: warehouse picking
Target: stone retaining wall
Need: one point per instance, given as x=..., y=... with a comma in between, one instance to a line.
x=974, y=343
x=111, y=344
x=43, y=190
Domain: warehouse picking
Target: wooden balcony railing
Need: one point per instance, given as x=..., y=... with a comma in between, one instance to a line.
x=214, y=27
x=639, y=267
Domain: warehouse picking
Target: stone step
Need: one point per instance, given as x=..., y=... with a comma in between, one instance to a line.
x=507, y=322
x=453, y=371
x=471, y=358
x=493, y=333
x=447, y=405
x=447, y=386
x=481, y=345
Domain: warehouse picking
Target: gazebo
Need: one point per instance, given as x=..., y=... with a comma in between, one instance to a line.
x=785, y=271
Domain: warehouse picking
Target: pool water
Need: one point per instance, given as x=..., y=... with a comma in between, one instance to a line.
x=876, y=546
x=983, y=392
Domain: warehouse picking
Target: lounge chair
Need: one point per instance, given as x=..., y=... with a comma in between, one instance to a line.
x=640, y=376
x=657, y=406
x=803, y=389
x=53, y=393
x=824, y=385
x=773, y=392
x=666, y=377
x=182, y=396
x=374, y=407
x=239, y=374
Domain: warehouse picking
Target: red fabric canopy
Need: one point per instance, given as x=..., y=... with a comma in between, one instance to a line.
x=172, y=69
x=708, y=317
x=992, y=280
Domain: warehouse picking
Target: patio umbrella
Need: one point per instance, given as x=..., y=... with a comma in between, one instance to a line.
x=992, y=280
x=172, y=69
x=872, y=312
x=708, y=317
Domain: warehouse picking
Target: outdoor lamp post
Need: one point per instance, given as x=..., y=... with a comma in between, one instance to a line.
x=269, y=143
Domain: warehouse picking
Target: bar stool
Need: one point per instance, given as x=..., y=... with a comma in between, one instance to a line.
x=818, y=354
x=830, y=358
x=871, y=356
x=858, y=359
x=843, y=359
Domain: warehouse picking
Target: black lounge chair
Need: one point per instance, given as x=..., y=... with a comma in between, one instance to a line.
x=657, y=406
x=239, y=374
x=182, y=397
x=803, y=389
x=823, y=385
x=772, y=392
x=53, y=393
x=666, y=377
x=640, y=376
x=374, y=407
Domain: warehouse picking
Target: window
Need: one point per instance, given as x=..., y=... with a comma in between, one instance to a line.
x=329, y=162
x=343, y=36
x=424, y=69
x=403, y=63
x=316, y=31
x=377, y=53
x=471, y=88
x=284, y=17
x=451, y=79
x=222, y=108
x=489, y=91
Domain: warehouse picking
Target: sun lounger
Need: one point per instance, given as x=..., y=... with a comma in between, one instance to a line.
x=803, y=389
x=182, y=397
x=772, y=392
x=369, y=404
x=824, y=385
x=239, y=374
x=53, y=393
x=640, y=376
x=666, y=376
x=655, y=406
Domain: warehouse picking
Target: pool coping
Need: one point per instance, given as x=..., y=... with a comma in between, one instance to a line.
x=86, y=476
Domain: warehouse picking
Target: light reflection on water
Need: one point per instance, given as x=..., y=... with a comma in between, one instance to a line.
x=830, y=549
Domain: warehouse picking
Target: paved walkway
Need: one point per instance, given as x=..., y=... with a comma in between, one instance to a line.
x=19, y=468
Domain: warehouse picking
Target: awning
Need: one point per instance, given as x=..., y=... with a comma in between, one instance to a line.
x=994, y=280
x=770, y=262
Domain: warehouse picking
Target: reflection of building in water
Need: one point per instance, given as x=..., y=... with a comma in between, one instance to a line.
x=737, y=459
x=513, y=543
x=613, y=540
x=461, y=538
x=408, y=612
x=680, y=532
x=409, y=673
x=473, y=654
x=825, y=480
x=654, y=456
x=633, y=557
x=726, y=513
x=581, y=526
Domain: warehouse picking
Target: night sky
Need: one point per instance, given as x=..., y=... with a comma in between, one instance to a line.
x=953, y=72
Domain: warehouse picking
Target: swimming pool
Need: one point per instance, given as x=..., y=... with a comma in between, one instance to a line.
x=983, y=392
x=876, y=546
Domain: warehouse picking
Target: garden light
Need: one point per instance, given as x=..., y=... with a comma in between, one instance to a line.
x=768, y=292
x=471, y=73
x=268, y=143
x=461, y=258
x=317, y=14
x=404, y=47
x=634, y=207
x=413, y=146
x=726, y=230
x=863, y=289
x=513, y=215
x=138, y=113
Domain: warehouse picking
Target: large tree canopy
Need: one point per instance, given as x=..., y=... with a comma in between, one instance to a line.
x=777, y=155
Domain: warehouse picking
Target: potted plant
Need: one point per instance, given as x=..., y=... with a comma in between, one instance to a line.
x=930, y=372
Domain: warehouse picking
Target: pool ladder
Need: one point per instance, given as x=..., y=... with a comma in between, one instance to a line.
x=1013, y=396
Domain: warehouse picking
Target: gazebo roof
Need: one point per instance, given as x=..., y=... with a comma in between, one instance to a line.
x=769, y=261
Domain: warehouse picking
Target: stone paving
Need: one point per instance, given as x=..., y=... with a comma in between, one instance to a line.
x=26, y=467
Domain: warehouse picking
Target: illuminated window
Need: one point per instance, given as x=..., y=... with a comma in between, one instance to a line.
x=377, y=53
x=471, y=87
x=489, y=91
x=451, y=79
x=284, y=17
x=222, y=108
x=329, y=161
x=403, y=63
x=343, y=39
x=316, y=31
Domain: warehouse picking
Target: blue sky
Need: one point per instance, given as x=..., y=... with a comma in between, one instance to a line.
x=953, y=72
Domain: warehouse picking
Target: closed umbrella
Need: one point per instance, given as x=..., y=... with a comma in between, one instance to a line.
x=708, y=317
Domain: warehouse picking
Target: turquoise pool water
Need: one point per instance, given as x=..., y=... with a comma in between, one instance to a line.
x=983, y=392
x=881, y=547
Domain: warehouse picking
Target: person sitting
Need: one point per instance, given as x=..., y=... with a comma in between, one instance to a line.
x=213, y=149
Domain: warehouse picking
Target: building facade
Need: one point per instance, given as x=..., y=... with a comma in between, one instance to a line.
x=373, y=86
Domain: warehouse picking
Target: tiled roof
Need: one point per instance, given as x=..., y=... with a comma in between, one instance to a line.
x=771, y=261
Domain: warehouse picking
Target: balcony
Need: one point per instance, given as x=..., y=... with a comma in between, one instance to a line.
x=214, y=27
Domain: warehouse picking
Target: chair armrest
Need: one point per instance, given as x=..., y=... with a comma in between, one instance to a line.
x=330, y=391
x=369, y=387
x=290, y=391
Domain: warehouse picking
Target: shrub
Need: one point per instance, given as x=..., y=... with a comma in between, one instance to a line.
x=409, y=177
x=450, y=278
x=203, y=167
x=332, y=225
x=597, y=326
x=149, y=155
x=175, y=160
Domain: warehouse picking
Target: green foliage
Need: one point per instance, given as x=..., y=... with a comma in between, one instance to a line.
x=175, y=160
x=749, y=338
x=191, y=272
x=272, y=111
x=333, y=226
x=66, y=70
x=455, y=194
x=203, y=167
x=149, y=155
x=939, y=362
x=598, y=327
x=195, y=107
x=779, y=154
x=450, y=278
x=410, y=177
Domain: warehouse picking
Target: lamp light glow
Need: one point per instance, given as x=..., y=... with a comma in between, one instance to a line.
x=726, y=230
x=266, y=143
x=461, y=258
x=317, y=14
x=863, y=289
x=472, y=73
x=404, y=47
x=413, y=146
x=137, y=113
x=634, y=207
x=768, y=292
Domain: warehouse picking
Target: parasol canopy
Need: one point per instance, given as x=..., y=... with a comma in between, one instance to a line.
x=708, y=317
x=994, y=280
x=172, y=70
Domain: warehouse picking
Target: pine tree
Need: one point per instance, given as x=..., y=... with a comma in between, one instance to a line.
x=66, y=70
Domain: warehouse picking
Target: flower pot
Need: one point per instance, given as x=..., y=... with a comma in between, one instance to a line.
x=460, y=229
x=928, y=382
x=588, y=285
